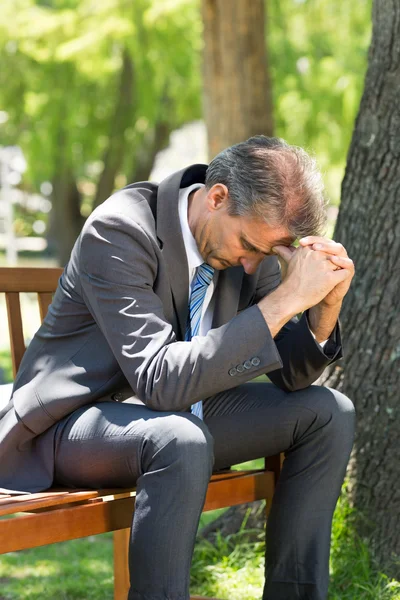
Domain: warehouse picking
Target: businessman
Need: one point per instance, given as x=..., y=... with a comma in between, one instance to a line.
x=171, y=302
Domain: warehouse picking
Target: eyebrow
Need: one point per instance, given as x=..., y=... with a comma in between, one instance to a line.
x=284, y=241
x=251, y=246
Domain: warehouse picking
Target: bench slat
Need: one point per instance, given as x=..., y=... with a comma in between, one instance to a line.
x=29, y=531
x=54, y=499
x=58, y=497
x=44, y=299
x=27, y=279
x=17, y=343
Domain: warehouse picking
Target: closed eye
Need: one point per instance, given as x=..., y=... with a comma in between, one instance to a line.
x=249, y=247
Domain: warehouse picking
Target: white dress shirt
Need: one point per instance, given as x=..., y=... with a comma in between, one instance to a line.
x=195, y=259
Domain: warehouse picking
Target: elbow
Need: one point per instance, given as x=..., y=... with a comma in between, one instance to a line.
x=288, y=384
x=161, y=397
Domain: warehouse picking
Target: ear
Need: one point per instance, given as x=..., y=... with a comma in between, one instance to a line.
x=217, y=197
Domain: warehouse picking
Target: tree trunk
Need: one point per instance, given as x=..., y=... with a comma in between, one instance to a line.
x=155, y=140
x=66, y=220
x=114, y=154
x=369, y=227
x=237, y=105
x=237, y=89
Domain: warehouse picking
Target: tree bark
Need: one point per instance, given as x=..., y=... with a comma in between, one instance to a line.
x=237, y=88
x=369, y=227
x=114, y=154
x=66, y=220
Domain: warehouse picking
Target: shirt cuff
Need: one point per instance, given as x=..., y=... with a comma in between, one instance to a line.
x=322, y=344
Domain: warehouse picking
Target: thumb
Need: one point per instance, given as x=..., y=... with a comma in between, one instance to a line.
x=284, y=252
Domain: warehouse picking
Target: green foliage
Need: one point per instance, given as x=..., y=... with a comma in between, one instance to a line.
x=6, y=375
x=61, y=61
x=60, y=64
x=318, y=55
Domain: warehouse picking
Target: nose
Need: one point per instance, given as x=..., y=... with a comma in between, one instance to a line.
x=250, y=265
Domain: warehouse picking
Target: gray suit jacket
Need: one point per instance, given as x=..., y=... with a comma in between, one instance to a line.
x=117, y=323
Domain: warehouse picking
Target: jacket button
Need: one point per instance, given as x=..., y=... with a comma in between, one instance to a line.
x=232, y=372
x=255, y=361
x=247, y=364
x=118, y=397
x=240, y=368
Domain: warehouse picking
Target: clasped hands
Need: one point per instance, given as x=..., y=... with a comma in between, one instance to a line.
x=319, y=270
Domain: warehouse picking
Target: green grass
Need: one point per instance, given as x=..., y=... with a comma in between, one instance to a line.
x=235, y=570
x=353, y=573
x=82, y=569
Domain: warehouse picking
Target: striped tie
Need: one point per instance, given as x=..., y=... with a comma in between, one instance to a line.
x=202, y=280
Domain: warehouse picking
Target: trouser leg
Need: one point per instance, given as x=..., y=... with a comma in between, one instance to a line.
x=169, y=458
x=314, y=427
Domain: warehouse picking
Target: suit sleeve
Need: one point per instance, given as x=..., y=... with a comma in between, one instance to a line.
x=118, y=265
x=303, y=359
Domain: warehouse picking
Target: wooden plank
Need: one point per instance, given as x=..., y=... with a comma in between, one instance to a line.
x=121, y=565
x=30, y=531
x=32, y=502
x=44, y=299
x=29, y=279
x=231, y=492
x=57, y=497
x=73, y=522
x=17, y=344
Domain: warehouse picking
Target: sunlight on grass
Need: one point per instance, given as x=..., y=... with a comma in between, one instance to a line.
x=64, y=571
x=231, y=568
x=228, y=570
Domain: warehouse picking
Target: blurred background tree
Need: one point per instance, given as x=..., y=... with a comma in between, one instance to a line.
x=237, y=83
x=91, y=92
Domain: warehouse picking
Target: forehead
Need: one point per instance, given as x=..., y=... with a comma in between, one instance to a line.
x=258, y=232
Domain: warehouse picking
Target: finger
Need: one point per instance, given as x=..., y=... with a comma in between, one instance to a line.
x=339, y=276
x=309, y=240
x=330, y=247
x=342, y=261
x=284, y=252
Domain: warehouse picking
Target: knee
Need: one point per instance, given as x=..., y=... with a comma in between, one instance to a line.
x=336, y=413
x=180, y=439
x=339, y=407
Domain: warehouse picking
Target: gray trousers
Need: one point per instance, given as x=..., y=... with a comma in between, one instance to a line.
x=171, y=456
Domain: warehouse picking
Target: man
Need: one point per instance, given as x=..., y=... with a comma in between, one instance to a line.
x=172, y=300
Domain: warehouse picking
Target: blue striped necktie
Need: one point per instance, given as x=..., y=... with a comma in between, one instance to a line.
x=202, y=280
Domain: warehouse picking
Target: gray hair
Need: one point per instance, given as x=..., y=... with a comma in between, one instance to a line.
x=269, y=179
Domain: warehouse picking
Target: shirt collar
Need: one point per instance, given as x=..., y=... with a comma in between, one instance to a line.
x=194, y=257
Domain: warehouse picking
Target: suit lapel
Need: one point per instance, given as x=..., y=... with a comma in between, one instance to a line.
x=170, y=234
x=227, y=295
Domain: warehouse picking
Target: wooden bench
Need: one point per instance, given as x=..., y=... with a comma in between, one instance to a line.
x=59, y=514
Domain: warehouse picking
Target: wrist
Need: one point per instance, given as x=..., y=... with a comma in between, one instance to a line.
x=277, y=309
x=333, y=306
x=322, y=319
